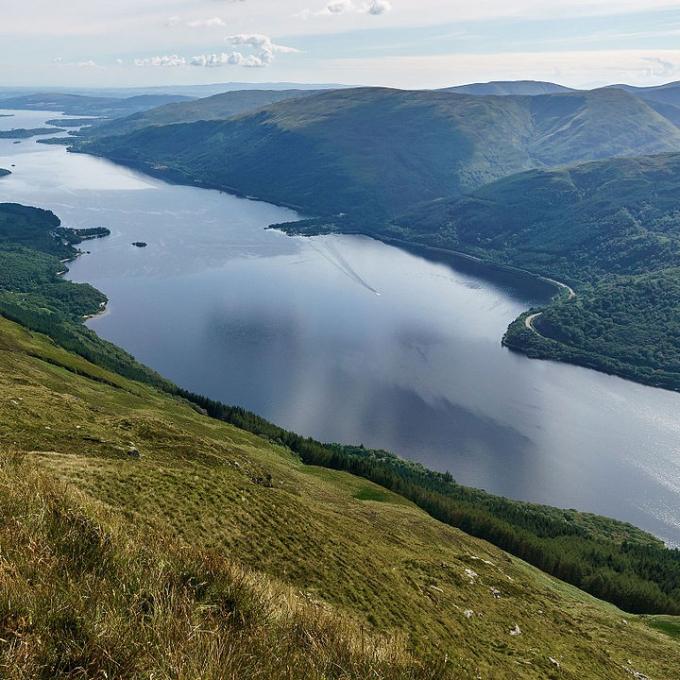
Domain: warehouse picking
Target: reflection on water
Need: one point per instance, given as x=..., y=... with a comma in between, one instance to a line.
x=348, y=339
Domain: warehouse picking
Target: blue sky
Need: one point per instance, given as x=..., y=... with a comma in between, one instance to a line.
x=401, y=43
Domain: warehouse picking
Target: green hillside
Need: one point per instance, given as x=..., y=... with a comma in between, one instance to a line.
x=376, y=153
x=606, y=558
x=668, y=93
x=611, y=230
x=215, y=553
x=33, y=291
x=217, y=107
x=669, y=111
x=144, y=536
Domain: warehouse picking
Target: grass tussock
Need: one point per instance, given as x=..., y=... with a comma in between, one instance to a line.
x=83, y=595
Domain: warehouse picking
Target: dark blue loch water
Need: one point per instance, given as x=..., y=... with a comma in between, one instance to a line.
x=352, y=340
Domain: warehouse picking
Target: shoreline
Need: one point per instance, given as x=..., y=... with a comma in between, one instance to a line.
x=554, y=284
x=525, y=321
x=103, y=306
x=175, y=177
x=600, y=363
x=559, y=285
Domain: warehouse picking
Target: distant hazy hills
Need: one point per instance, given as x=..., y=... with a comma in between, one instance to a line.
x=218, y=107
x=79, y=105
x=509, y=87
x=380, y=152
x=666, y=94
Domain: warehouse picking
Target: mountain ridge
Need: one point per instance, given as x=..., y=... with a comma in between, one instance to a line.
x=335, y=151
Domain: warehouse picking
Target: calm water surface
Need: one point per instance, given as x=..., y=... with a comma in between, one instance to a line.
x=348, y=339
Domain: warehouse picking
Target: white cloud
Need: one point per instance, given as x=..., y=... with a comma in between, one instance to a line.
x=339, y=6
x=377, y=7
x=213, y=22
x=137, y=18
x=259, y=42
x=661, y=68
x=171, y=60
x=86, y=63
x=229, y=59
x=263, y=51
x=374, y=7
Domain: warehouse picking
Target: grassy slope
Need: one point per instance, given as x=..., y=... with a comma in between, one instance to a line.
x=332, y=537
x=612, y=230
x=33, y=292
x=377, y=152
x=667, y=94
x=85, y=593
x=587, y=551
x=219, y=106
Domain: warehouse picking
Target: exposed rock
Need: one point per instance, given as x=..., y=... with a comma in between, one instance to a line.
x=516, y=631
x=472, y=575
x=468, y=613
x=636, y=674
x=496, y=593
x=133, y=452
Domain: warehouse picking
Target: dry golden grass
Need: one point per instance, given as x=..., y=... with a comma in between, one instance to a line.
x=179, y=564
x=84, y=596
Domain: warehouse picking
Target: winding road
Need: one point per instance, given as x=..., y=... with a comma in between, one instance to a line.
x=529, y=321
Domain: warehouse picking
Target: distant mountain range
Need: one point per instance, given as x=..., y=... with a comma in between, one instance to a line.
x=84, y=105
x=479, y=169
x=510, y=87
x=192, y=91
x=379, y=152
x=668, y=93
x=217, y=107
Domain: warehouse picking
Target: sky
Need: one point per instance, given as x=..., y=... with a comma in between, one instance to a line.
x=396, y=43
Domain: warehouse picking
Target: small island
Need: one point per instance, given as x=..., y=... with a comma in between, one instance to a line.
x=4, y=173
x=140, y=244
x=27, y=133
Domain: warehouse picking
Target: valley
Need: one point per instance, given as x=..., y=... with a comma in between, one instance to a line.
x=360, y=309
x=460, y=178
x=254, y=306
x=162, y=530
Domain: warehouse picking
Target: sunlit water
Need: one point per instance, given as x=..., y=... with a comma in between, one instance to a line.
x=348, y=339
